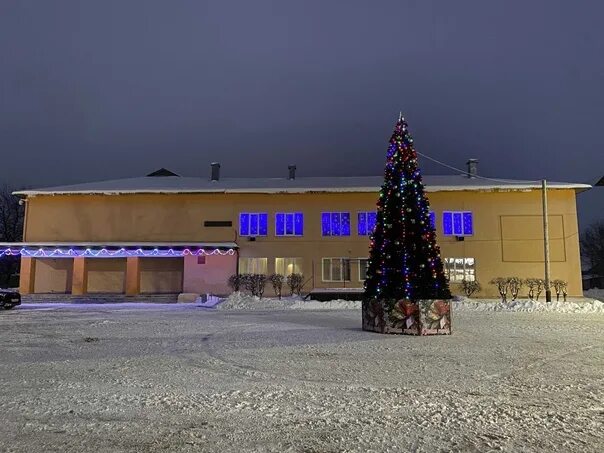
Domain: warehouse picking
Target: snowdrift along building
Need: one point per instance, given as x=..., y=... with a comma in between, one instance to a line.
x=165, y=233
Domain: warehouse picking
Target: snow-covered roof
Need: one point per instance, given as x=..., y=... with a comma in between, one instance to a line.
x=180, y=184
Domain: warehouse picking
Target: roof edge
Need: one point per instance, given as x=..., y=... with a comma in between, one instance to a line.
x=436, y=188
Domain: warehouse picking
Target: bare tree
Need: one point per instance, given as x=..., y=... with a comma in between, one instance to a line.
x=295, y=283
x=515, y=285
x=277, y=283
x=592, y=247
x=235, y=282
x=502, y=284
x=254, y=283
x=11, y=230
x=470, y=287
x=535, y=287
x=561, y=288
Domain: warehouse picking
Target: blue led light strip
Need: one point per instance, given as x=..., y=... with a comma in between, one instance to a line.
x=104, y=253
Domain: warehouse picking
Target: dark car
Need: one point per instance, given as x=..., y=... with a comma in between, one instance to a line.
x=9, y=299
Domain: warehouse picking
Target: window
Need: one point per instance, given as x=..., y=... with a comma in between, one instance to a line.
x=458, y=223
x=433, y=219
x=286, y=266
x=253, y=224
x=366, y=223
x=458, y=269
x=335, y=223
x=336, y=269
x=253, y=265
x=289, y=224
x=363, y=265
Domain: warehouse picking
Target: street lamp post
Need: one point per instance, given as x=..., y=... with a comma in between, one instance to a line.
x=548, y=291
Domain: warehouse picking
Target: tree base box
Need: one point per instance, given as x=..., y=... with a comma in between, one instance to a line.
x=405, y=317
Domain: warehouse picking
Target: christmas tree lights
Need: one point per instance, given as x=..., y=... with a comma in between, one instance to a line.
x=404, y=262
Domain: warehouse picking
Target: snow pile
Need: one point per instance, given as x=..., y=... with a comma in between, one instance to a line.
x=240, y=301
x=210, y=302
x=595, y=293
x=589, y=306
x=338, y=304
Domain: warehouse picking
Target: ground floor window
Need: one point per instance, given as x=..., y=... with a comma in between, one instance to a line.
x=253, y=265
x=363, y=264
x=336, y=269
x=287, y=266
x=458, y=269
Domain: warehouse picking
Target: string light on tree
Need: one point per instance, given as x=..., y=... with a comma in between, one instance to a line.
x=404, y=260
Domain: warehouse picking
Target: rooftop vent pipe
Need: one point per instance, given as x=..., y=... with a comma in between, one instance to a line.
x=472, y=168
x=215, y=171
x=292, y=172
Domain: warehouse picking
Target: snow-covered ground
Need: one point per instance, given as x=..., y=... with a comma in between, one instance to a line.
x=239, y=301
x=132, y=378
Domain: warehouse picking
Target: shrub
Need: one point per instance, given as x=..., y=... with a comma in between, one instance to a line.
x=235, y=282
x=277, y=282
x=515, y=284
x=246, y=282
x=503, y=285
x=560, y=286
x=470, y=287
x=260, y=283
x=535, y=287
x=295, y=283
x=254, y=283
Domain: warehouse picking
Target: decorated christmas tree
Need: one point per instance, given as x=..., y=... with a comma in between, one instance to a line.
x=405, y=279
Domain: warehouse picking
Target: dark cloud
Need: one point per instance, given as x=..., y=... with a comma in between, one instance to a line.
x=96, y=90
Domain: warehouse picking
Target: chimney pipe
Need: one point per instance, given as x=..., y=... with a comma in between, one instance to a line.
x=292, y=172
x=472, y=168
x=215, y=171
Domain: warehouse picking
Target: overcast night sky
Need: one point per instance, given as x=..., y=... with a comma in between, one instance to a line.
x=93, y=90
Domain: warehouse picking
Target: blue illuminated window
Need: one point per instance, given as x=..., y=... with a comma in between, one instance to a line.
x=458, y=223
x=289, y=224
x=433, y=219
x=253, y=224
x=335, y=223
x=366, y=223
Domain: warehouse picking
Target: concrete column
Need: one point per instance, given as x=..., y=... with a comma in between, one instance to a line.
x=79, y=282
x=27, y=275
x=133, y=278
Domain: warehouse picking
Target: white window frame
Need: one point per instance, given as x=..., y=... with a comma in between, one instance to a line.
x=463, y=233
x=342, y=260
x=468, y=271
x=256, y=259
x=293, y=215
x=297, y=262
x=362, y=277
x=249, y=224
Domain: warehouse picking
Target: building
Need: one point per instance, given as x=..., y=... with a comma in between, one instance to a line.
x=172, y=234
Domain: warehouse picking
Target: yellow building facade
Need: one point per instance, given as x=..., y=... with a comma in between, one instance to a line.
x=172, y=234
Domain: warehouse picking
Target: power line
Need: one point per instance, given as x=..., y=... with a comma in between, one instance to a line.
x=508, y=181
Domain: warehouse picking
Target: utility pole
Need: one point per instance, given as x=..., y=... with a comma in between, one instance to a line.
x=548, y=291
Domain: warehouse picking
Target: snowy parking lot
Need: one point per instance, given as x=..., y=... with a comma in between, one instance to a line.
x=106, y=378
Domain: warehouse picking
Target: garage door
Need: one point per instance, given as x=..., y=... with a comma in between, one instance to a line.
x=106, y=275
x=161, y=275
